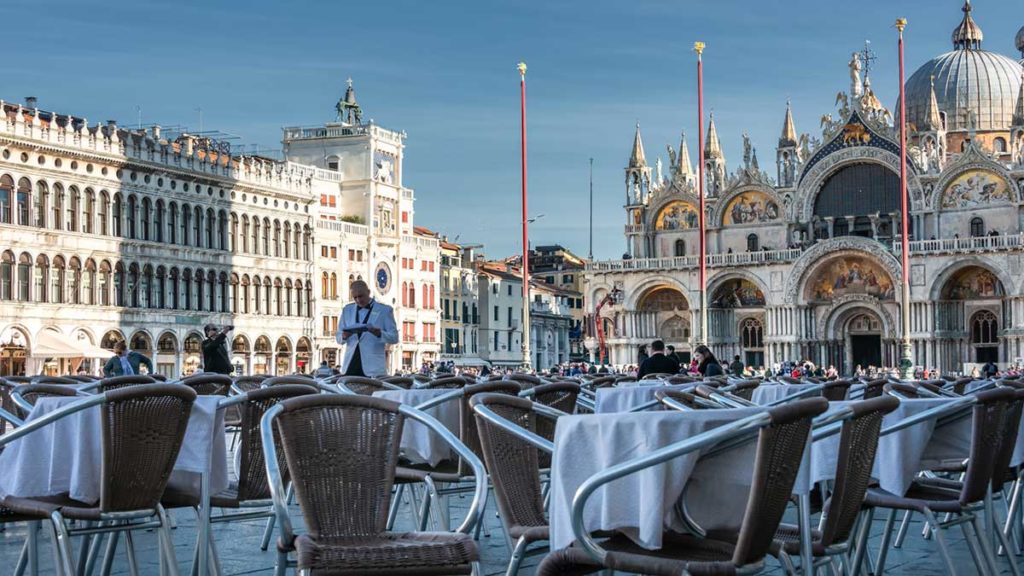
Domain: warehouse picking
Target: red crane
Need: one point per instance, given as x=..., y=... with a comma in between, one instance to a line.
x=602, y=348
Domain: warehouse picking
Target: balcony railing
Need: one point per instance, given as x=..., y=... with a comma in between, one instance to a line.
x=676, y=262
x=961, y=245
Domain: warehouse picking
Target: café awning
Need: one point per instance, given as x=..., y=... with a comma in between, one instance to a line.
x=50, y=344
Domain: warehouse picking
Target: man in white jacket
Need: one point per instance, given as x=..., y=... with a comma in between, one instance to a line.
x=366, y=327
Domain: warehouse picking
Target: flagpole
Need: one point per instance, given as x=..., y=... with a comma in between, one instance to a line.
x=698, y=47
x=906, y=356
x=526, y=238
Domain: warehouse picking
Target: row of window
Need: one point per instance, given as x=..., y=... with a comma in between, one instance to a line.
x=410, y=264
x=329, y=284
x=450, y=311
x=429, y=333
x=72, y=281
x=86, y=211
x=426, y=295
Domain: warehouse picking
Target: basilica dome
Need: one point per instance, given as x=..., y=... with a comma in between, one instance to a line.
x=967, y=80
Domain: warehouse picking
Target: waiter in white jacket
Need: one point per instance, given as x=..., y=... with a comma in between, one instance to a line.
x=366, y=326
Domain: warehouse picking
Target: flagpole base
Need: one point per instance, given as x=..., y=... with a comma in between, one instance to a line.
x=906, y=362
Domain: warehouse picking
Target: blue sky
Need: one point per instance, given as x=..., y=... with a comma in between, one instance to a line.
x=444, y=71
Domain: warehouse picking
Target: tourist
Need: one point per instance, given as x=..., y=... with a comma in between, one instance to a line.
x=736, y=367
x=125, y=363
x=366, y=328
x=658, y=362
x=641, y=354
x=215, y=350
x=707, y=364
x=324, y=371
x=990, y=370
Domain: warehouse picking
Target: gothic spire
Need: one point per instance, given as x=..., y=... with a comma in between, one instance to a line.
x=712, y=147
x=788, y=137
x=685, y=169
x=968, y=34
x=1018, y=110
x=637, y=158
x=932, y=119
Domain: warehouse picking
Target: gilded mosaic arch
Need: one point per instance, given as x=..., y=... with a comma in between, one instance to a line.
x=749, y=206
x=802, y=210
x=677, y=215
x=853, y=245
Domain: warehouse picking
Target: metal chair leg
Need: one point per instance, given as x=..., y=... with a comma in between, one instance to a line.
x=268, y=532
x=32, y=559
x=64, y=541
x=973, y=546
x=167, y=541
x=862, y=541
x=56, y=549
x=396, y=503
x=940, y=541
x=282, y=564
x=19, y=568
x=517, y=558
x=883, y=549
x=901, y=534
x=1011, y=558
x=108, y=554
x=129, y=548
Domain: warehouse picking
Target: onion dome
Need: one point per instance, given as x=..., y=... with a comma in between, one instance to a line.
x=968, y=81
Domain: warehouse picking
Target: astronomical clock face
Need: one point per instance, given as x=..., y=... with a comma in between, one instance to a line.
x=383, y=278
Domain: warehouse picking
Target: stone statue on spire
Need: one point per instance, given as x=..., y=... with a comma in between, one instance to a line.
x=855, y=68
x=348, y=109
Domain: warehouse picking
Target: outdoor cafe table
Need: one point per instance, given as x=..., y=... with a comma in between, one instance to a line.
x=626, y=398
x=419, y=445
x=642, y=505
x=67, y=456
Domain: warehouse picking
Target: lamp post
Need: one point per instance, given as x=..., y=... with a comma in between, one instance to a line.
x=526, y=223
x=906, y=354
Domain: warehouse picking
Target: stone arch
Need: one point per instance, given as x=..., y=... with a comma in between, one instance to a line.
x=653, y=282
x=985, y=263
x=834, y=318
x=970, y=161
x=721, y=207
x=662, y=202
x=110, y=338
x=811, y=182
x=716, y=281
x=812, y=260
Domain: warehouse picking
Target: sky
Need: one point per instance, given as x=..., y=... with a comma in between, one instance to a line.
x=445, y=73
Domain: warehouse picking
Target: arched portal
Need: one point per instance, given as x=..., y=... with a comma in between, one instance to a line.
x=193, y=354
x=968, y=311
x=735, y=311
x=662, y=313
x=240, y=354
x=14, y=349
x=284, y=355
x=167, y=354
x=261, y=356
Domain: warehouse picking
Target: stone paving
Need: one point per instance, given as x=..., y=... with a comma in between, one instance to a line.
x=238, y=546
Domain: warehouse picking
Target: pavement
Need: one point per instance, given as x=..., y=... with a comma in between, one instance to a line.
x=238, y=548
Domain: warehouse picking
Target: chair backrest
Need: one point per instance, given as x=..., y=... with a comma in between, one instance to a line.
x=680, y=379
x=363, y=385
x=960, y=384
x=901, y=389
x=683, y=397
x=780, y=448
x=33, y=392
x=55, y=380
x=789, y=380
x=341, y=451
x=513, y=465
x=83, y=378
x=447, y=382
x=303, y=375
x=1008, y=442
x=19, y=379
x=874, y=388
x=467, y=418
x=745, y=388
x=526, y=381
x=987, y=432
x=208, y=384
x=836, y=390
x=115, y=382
x=278, y=380
x=601, y=382
x=400, y=381
x=252, y=471
x=143, y=427
x=656, y=376
x=858, y=443
x=560, y=396
x=247, y=383
x=158, y=377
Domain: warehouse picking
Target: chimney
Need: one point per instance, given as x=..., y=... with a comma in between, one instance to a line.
x=30, y=102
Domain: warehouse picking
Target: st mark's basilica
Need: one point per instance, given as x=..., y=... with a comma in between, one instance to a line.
x=804, y=263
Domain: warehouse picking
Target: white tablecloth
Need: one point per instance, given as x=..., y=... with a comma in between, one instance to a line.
x=642, y=503
x=66, y=457
x=768, y=393
x=420, y=445
x=625, y=398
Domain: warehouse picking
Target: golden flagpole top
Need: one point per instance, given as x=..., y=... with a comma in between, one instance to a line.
x=698, y=47
x=522, y=68
x=901, y=23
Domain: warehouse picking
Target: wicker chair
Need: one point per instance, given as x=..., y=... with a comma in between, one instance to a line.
x=858, y=443
x=874, y=388
x=29, y=558
x=342, y=452
x=681, y=399
x=780, y=445
x=526, y=381
x=24, y=397
x=447, y=382
x=139, y=452
x=836, y=390
x=514, y=467
x=901, y=390
x=400, y=381
x=55, y=380
x=745, y=388
x=209, y=384
x=560, y=396
x=364, y=386
x=7, y=402
x=278, y=380
x=963, y=499
x=115, y=382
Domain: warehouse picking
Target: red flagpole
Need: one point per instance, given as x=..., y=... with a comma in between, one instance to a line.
x=699, y=48
x=526, y=237
x=906, y=361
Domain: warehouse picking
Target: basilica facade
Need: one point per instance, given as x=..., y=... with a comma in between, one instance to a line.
x=804, y=263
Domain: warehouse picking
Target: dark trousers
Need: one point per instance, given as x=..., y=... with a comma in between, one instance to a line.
x=355, y=366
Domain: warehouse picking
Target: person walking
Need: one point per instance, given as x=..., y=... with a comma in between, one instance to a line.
x=658, y=362
x=125, y=363
x=366, y=328
x=707, y=364
x=215, y=350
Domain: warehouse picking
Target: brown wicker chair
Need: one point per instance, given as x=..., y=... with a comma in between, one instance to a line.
x=836, y=390
x=780, y=447
x=289, y=379
x=686, y=399
x=526, y=381
x=858, y=443
x=964, y=499
x=342, y=452
x=55, y=380
x=363, y=385
x=745, y=388
x=514, y=467
x=401, y=381
x=209, y=384
x=560, y=396
x=902, y=390
x=447, y=382
x=25, y=396
x=139, y=452
x=115, y=382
